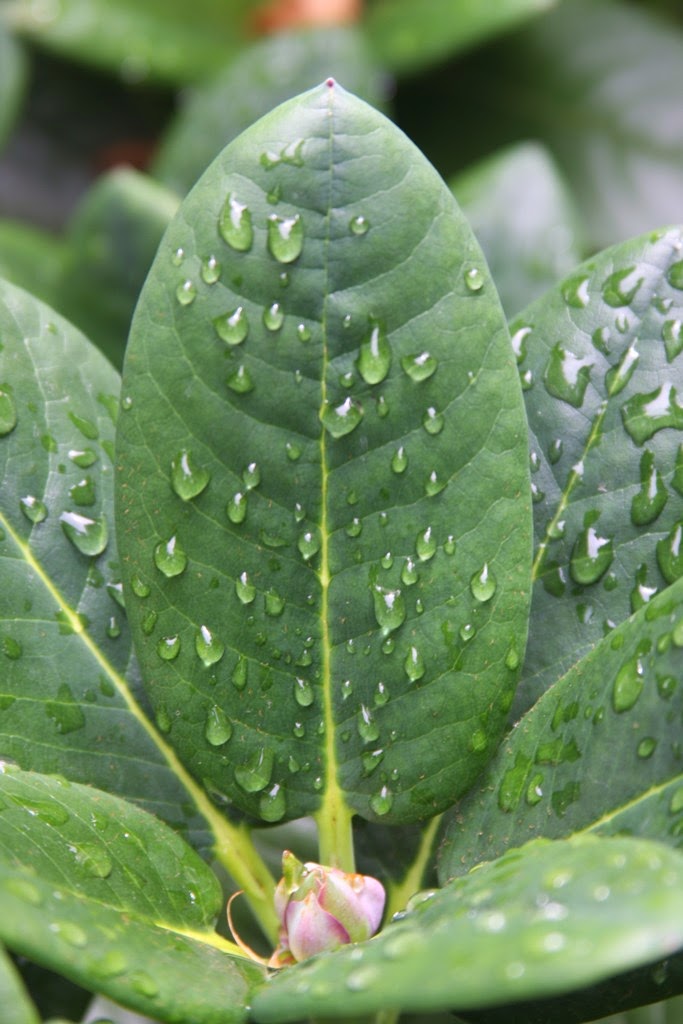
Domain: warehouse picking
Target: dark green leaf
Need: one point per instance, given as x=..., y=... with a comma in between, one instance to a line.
x=599, y=751
x=600, y=357
x=17, y=1008
x=408, y=36
x=261, y=76
x=31, y=258
x=113, y=899
x=541, y=920
x=521, y=212
x=111, y=242
x=319, y=637
x=12, y=80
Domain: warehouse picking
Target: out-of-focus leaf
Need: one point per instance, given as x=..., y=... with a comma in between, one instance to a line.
x=12, y=80
x=408, y=35
x=521, y=212
x=110, y=245
x=261, y=76
x=17, y=1008
x=109, y=896
x=540, y=921
x=31, y=258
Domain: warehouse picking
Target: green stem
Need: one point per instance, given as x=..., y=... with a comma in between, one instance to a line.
x=234, y=849
x=335, y=834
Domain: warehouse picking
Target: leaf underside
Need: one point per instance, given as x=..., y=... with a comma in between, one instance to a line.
x=338, y=607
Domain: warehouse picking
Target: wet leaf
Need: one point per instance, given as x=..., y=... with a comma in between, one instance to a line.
x=542, y=920
x=332, y=525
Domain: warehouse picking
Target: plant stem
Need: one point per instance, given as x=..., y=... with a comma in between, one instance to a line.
x=335, y=835
x=234, y=849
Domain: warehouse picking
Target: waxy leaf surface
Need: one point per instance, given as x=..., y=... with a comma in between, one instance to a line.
x=600, y=358
x=323, y=476
x=600, y=751
x=541, y=920
x=110, y=897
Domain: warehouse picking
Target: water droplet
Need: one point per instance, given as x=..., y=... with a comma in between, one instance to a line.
x=274, y=603
x=591, y=556
x=346, y=689
x=72, y=933
x=390, y=609
x=425, y=545
x=234, y=224
x=245, y=590
x=254, y=775
x=449, y=545
x=512, y=658
x=83, y=492
x=33, y=508
x=208, y=647
x=567, y=376
x=290, y=154
x=359, y=225
x=646, y=747
x=303, y=692
x=628, y=685
x=575, y=291
x=399, y=460
x=366, y=725
x=293, y=451
x=419, y=367
x=143, y=984
x=170, y=558
x=240, y=381
x=620, y=288
x=467, y=632
x=168, y=647
x=273, y=317
x=113, y=629
x=86, y=427
x=670, y=554
x=83, y=458
x=370, y=759
x=433, y=421
x=273, y=804
x=434, y=484
x=178, y=256
x=65, y=712
x=139, y=587
x=675, y=275
x=303, y=333
x=186, y=293
x=414, y=665
x=308, y=544
x=644, y=414
x=233, y=326
x=474, y=279
x=23, y=890
x=211, y=270
x=483, y=584
x=409, y=572
x=187, y=478
x=341, y=419
x=218, y=729
x=299, y=730
x=94, y=859
x=374, y=358
x=89, y=536
x=236, y=509
x=653, y=495
x=285, y=237
x=380, y=803
x=8, y=412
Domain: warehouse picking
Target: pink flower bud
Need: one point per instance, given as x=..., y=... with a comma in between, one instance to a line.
x=323, y=908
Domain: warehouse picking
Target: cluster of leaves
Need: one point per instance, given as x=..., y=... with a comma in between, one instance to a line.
x=343, y=501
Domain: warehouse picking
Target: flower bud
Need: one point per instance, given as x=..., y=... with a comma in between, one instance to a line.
x=323, y=908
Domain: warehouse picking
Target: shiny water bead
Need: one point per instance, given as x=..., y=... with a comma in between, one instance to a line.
x=303, y=692
x=169, y=557
x=8, y=411
x=240, y=674
x=235, y=225
x=355, y=527
x=341, y=419
x=240, y=380
x=399, y=460
x=217, y=729
x=374, y=358
x=409, y=574
x=211, y=270
x=434, y=484
x=88, y=535
x=425, y=545
x=236, y=509
x=245, y=590
x=433, y=421
x=83, y=492
x=359, y=225
x=273, y=317
x=414, y=665
x=208, y=647
x=474, y=279
x=567, y=375
x=292, y=450
x=285, y=237
x=232, y=327
x=303, y=332
x=33, y=508
x=308, y=544
x=273, y=804
x=274, y=603
x=254, y=775
x=381, y=804
x=591, y=556
x=390, y=609
x=186, y=292
x=419, y=367
x=251, y=476
x=483, y=584
x=187, y=478
x=82, y=457
x=366, y=725
x=168, y=647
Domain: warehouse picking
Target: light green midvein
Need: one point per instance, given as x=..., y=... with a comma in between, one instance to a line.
x=233, y=847
x=335, y=836
x=400, y=892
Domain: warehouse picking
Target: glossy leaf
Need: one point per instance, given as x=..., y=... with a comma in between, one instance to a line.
x=12, y=80
x=264, y=74
x=109, y=896
x=17, y=1008
x=110, y=244
x=600, y=358
x=599, y=751
x=408, y=36
x=31, y=258
x=541, y=920
x=524, y=219
x=339, y=627
x=158, y=39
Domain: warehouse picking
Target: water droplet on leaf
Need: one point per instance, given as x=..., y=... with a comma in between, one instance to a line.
x=169, y=557
x=341, y=419
x=208, y=647
x=419, y=367
x=89, y=536
x=232, y=327
x=234, y=224
x=218, y=729
x=285, y=237
x=374, y=358
x=187, y=478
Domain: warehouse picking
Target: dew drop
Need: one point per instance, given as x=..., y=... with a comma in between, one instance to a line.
x=254, y=775
x=449, y=545
x=8, y=412
x=366, y=725
x=575, y=291
x=425, y=545
x=390, y=609
x=346, y=689
x=380, y=803
x=591, y=557
x=274, y=603
x=434, y=484
x=474, y=279
x=168, y=647
x=11, y=648
x=483, y=584
x=617, y=377
x=240, y=673
x=374, y=358
x=620, y=288
x=414, y=665
x=467, y=632
x=72, y=933
x=245, y=590
x=83, y=492
x=82, y=457
x=652, y=497
x=139, y=587
x=234, y=224
x=178, y=256
x=628, y=685
x=186, y=293
x=567, y=376
x=646, y=747
x=187, y=478
x=273, y=804
x=143, y=984
x=293, y=451
x=675, y=275
x=236, y=509
x=555, y=451
x=33, y=508
x=359, y=225
x=399, y=460
x=94, y=859
x=169, y=557
x=419, y=367
x=409, y=572
x=285, y=237
x=273, y=317
x=251, y=476
x=670, y=553
x=644, y=414
x=299, y=730
x=355, y=527
x=218, y=729
x=232, y=327
x=308, y=544
x=341, y=419
x=211, y=270
x=303, y=333
x=303, y=692
x=89, y=536
x=433, y=421
x=208, y=647
x=240, y=381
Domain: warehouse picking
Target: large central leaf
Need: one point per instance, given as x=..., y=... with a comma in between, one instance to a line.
x=322, y=476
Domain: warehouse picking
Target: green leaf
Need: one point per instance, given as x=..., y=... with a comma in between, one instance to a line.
x=31, y=258
x=111, y=241
x=160, y=39
x=408, y=36
x=17, y=1008
x=263, y=74
x=541, y=920
x=599, y=751
x=109, y=896
x=12, y=80
x=521, y=212
x=599, y=356
x=320, y=642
